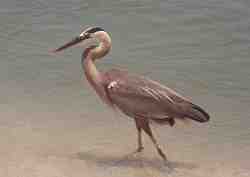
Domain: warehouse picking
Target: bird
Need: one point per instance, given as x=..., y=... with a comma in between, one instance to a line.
x=140, y=98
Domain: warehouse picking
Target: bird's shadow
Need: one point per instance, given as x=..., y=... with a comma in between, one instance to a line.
x=133, y=160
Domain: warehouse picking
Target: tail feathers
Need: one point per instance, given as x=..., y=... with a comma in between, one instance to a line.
x=198, y=114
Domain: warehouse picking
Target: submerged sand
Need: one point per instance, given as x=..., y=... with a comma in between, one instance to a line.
x=54, y=144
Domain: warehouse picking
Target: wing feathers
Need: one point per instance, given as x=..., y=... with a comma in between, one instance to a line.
x=135, y=95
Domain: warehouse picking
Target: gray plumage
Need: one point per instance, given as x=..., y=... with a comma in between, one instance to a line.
x=141, y=97
x=138, y=97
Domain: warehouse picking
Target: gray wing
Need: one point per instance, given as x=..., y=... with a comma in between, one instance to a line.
x=138, y=96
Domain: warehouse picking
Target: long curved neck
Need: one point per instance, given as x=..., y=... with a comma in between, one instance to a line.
x=92, y=74
x=89, y=56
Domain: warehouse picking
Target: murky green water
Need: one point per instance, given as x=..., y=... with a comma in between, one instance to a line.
x=200, y=48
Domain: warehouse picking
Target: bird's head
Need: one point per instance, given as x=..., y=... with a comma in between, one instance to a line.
x=88, y=37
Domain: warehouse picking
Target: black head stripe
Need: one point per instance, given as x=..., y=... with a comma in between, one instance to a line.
x=95, y=29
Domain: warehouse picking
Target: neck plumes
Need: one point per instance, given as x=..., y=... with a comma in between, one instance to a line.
x=89, y=56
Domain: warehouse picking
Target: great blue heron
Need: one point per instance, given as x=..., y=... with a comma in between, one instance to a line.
x=138, y=97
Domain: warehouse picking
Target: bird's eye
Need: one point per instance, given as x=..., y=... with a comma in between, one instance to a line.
x=85, y=35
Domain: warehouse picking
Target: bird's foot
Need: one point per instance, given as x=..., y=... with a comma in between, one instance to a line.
x=139, y=149
x=137, y=152
x=165, y=160
x=162, y=155
x=132, y=155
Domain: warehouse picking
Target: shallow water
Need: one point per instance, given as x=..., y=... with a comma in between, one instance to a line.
x=52, y=124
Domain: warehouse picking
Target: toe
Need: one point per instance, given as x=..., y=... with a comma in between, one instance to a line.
x=140, y=149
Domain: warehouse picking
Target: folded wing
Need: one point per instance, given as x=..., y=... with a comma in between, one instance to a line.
x=141, y=97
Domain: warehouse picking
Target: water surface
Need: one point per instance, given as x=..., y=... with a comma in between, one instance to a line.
x=51, y=122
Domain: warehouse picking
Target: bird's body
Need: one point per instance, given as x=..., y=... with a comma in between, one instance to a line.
x=138, y=97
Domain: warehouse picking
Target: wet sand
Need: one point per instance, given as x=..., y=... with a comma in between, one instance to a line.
x=54, y=144
x=52, y=125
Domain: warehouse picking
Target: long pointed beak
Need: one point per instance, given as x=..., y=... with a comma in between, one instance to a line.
x=73, y=42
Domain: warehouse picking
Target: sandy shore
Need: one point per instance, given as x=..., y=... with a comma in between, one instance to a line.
x=58, y=145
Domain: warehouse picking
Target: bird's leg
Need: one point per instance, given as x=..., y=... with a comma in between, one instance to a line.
x=139, y=140
x=160, y=152
x=148, y=130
